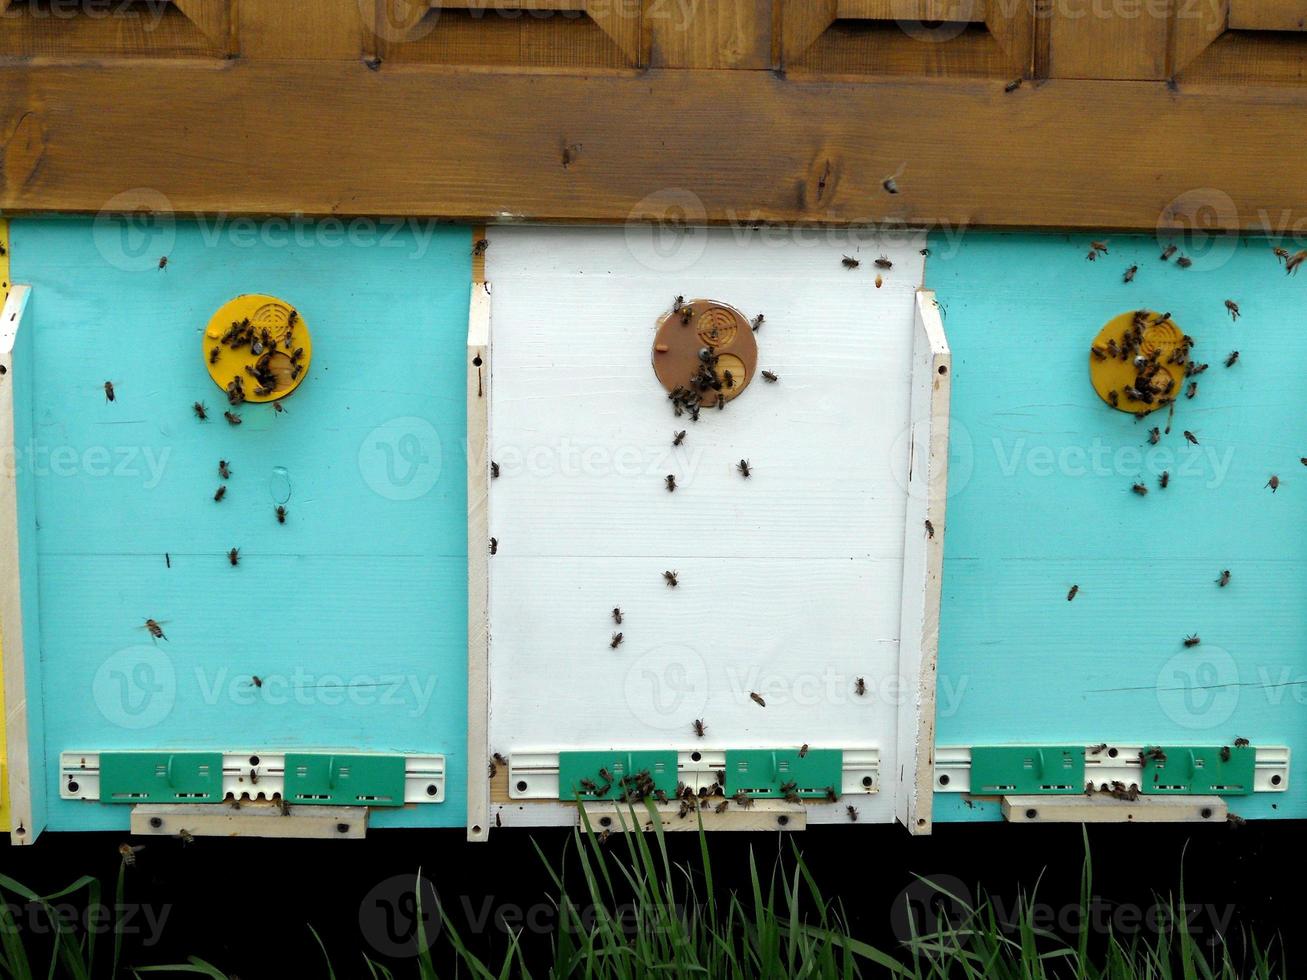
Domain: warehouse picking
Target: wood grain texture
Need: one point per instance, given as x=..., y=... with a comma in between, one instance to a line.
x=352, y=613
x=33, y=30
x=327, y=30
x=1040, y=500
x=1268, y=15
x=789, y=580
x=711, y=34
x=1096, y=40
x=428, y=134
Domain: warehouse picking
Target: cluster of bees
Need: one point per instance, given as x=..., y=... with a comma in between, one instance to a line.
x=640, y=787
x=263, y=346
x=1120, y=790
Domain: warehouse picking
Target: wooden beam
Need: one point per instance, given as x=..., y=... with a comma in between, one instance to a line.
x=1268, y=15
x=25, y=788
x=1105, y=809
x=212, y=17
x=923, y=565
x=478, y=538
x=482, y=145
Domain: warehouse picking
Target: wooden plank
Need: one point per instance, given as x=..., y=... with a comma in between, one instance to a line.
x=427, y=129
x=802, y=24
x=251, y=820
x=1122, y=41
x=712, y=35
x=1268, y=15
x=1102, y=808
x=955, y=11
x=4, y=463
x=24, y=792
x=923, y=565
x=1191, y=36
x=151, y=30
x=212, y=17
x=323, y=30
x=478, y=566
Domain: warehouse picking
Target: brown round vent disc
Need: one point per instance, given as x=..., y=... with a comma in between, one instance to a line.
x=683, y=334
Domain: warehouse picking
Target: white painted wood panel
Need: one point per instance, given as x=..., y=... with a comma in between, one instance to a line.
x=790, y=581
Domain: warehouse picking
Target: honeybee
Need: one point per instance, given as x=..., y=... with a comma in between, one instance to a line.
x=1130, y=274
x=163, y=262
x=860, y=686
x=1293, y=261
x=617, y=641
x=1114, y=398
x=671, y=483
x=699, y=727
x=219, y=494
x=803, y=750
x=234, y=556
x=617, y=615
x=671, y=579
x=1098, y=749
x=1234, y=356
x=1224, y=578
x=677, y=304
x=108, y=391
x=214, y=354
x=850, y=263
x=186, y=836
x=757, y=322
x=1191, y=390
x=687, y=314
x=884, y=263
x=1225, y=753
x=129, y=853
x=232, y=418
x=1071, y=593
x=890, y=184
x=1167, y=252
x=494, y=470
x=494, y=546
x=1233, y=307
x=831, y=795
x=721, y=807
x=1140, y=489
x=1184, y=262
x=728, y=379
x=930, y=528
x=1280, y=253
x=479, y=247
x=743, y=467
x=256, y=680
x=1165, y=479
x=1154, y=435
x=155, y=630
x=224, y=469
x=1240, y=743
x=678, y=438
x=1273, y=483
x=742, y=800
x=1190, y=437
x=853, y=813
x=279, y=408
x=770, y=377
x=1099, y=353
x=757, y=699
x=1012, y=86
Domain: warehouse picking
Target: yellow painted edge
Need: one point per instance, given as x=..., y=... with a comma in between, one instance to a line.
x=4, y=708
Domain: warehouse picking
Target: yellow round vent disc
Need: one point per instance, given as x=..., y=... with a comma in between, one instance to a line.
x=1138, y=360
x=258, y=345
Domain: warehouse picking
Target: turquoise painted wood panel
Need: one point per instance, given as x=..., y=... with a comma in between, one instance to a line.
x=1040, y=499
x=353, y=613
